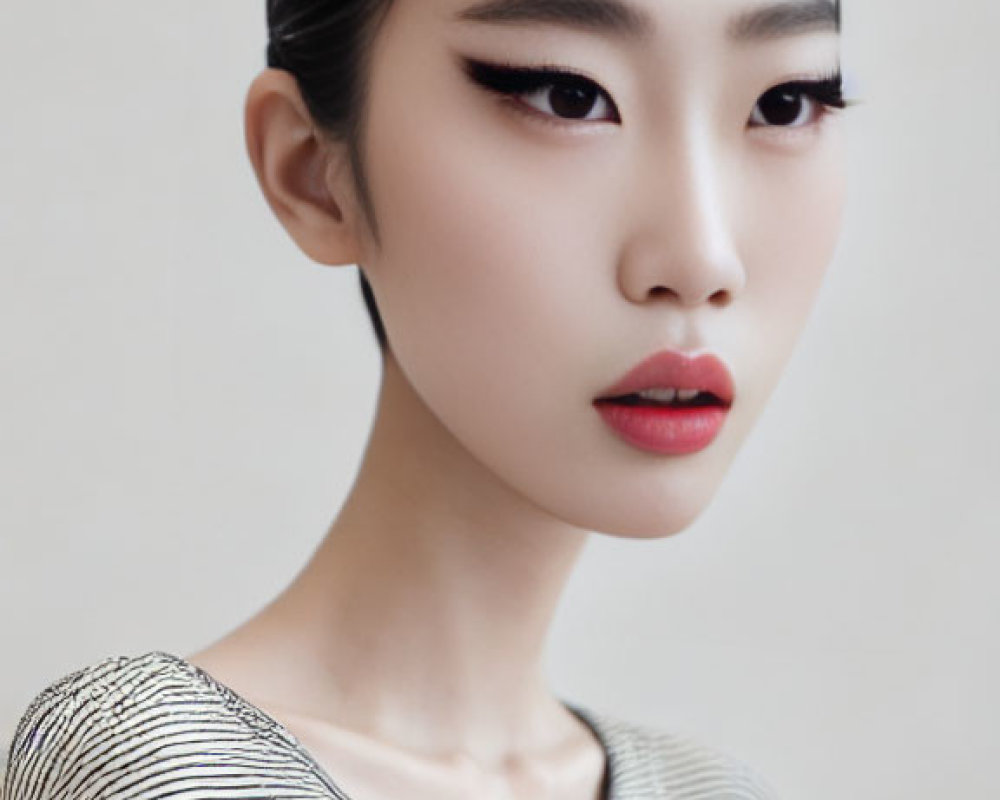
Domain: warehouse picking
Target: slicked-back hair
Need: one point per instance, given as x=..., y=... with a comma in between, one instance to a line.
x=326, y=45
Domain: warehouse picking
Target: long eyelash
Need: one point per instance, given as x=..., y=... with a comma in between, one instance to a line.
x=512, y=79
x=827, y=89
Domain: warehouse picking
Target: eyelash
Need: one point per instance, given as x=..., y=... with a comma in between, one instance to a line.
x=513, y=81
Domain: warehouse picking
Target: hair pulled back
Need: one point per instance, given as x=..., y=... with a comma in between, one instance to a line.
x=325, y=45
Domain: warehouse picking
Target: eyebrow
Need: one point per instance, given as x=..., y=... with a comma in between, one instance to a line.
x=620, y=19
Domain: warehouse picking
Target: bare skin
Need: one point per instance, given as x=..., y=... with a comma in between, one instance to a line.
x=404, y=628
x=521, y=267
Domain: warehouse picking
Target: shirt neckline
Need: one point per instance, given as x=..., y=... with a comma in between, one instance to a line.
x=588, y=718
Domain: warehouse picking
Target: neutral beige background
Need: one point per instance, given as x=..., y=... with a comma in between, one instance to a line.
x=184, y=398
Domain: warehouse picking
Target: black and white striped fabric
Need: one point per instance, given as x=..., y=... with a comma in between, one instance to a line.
x=155, y=727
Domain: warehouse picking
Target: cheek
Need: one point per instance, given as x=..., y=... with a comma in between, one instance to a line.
x=793, y=224
x=479, y=278
x=794, y=227
x=793, y=212
x=483, y=259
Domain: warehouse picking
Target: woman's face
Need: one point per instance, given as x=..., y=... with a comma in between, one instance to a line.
x=535, y=247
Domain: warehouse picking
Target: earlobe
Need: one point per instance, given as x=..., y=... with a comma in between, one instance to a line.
x=296, y=167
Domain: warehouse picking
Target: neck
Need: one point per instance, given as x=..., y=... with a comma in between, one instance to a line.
x=425, y=610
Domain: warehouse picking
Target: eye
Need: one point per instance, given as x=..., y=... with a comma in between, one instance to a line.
x=798, y=104
x=554, y=93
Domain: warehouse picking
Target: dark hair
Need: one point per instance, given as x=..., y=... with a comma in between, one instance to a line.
x=326, y=45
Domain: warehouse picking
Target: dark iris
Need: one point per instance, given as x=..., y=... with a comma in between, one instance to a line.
x=571, y=96
x=781, y=106
x=570, y=100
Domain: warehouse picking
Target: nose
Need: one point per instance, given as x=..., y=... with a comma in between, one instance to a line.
x=682, y=249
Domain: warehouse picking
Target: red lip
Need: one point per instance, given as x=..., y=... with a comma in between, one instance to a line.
x=671, y=369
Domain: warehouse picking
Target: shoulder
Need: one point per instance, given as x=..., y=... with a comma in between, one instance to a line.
x=648, y=762
x=78, y=721
x=130, y=725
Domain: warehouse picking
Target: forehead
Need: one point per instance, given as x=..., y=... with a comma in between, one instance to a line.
x=738, y=21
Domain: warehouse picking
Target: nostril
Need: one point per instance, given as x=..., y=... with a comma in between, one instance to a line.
x=721, y=298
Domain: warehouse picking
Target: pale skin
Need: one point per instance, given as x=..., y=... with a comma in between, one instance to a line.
x=521, y=267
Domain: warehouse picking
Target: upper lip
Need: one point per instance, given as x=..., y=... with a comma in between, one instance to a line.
x=671, y=369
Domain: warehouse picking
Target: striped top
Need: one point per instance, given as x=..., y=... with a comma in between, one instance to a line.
x=155, y=726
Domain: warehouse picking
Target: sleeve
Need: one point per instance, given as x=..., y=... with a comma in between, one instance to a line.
x=63, y=735
x=729, y=777
x=657, y=763
x=750, y=782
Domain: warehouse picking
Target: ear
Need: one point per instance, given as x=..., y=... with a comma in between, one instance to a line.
x=303, y=174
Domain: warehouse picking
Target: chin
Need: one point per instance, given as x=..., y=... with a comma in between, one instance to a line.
x=655, y=522
x=636, y=505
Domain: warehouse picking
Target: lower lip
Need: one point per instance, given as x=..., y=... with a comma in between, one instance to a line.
x=661, y=429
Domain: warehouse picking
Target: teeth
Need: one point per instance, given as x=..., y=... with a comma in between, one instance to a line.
x=663, y=395
x=669, y=395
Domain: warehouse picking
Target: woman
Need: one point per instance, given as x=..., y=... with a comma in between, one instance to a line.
x=589, y=232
